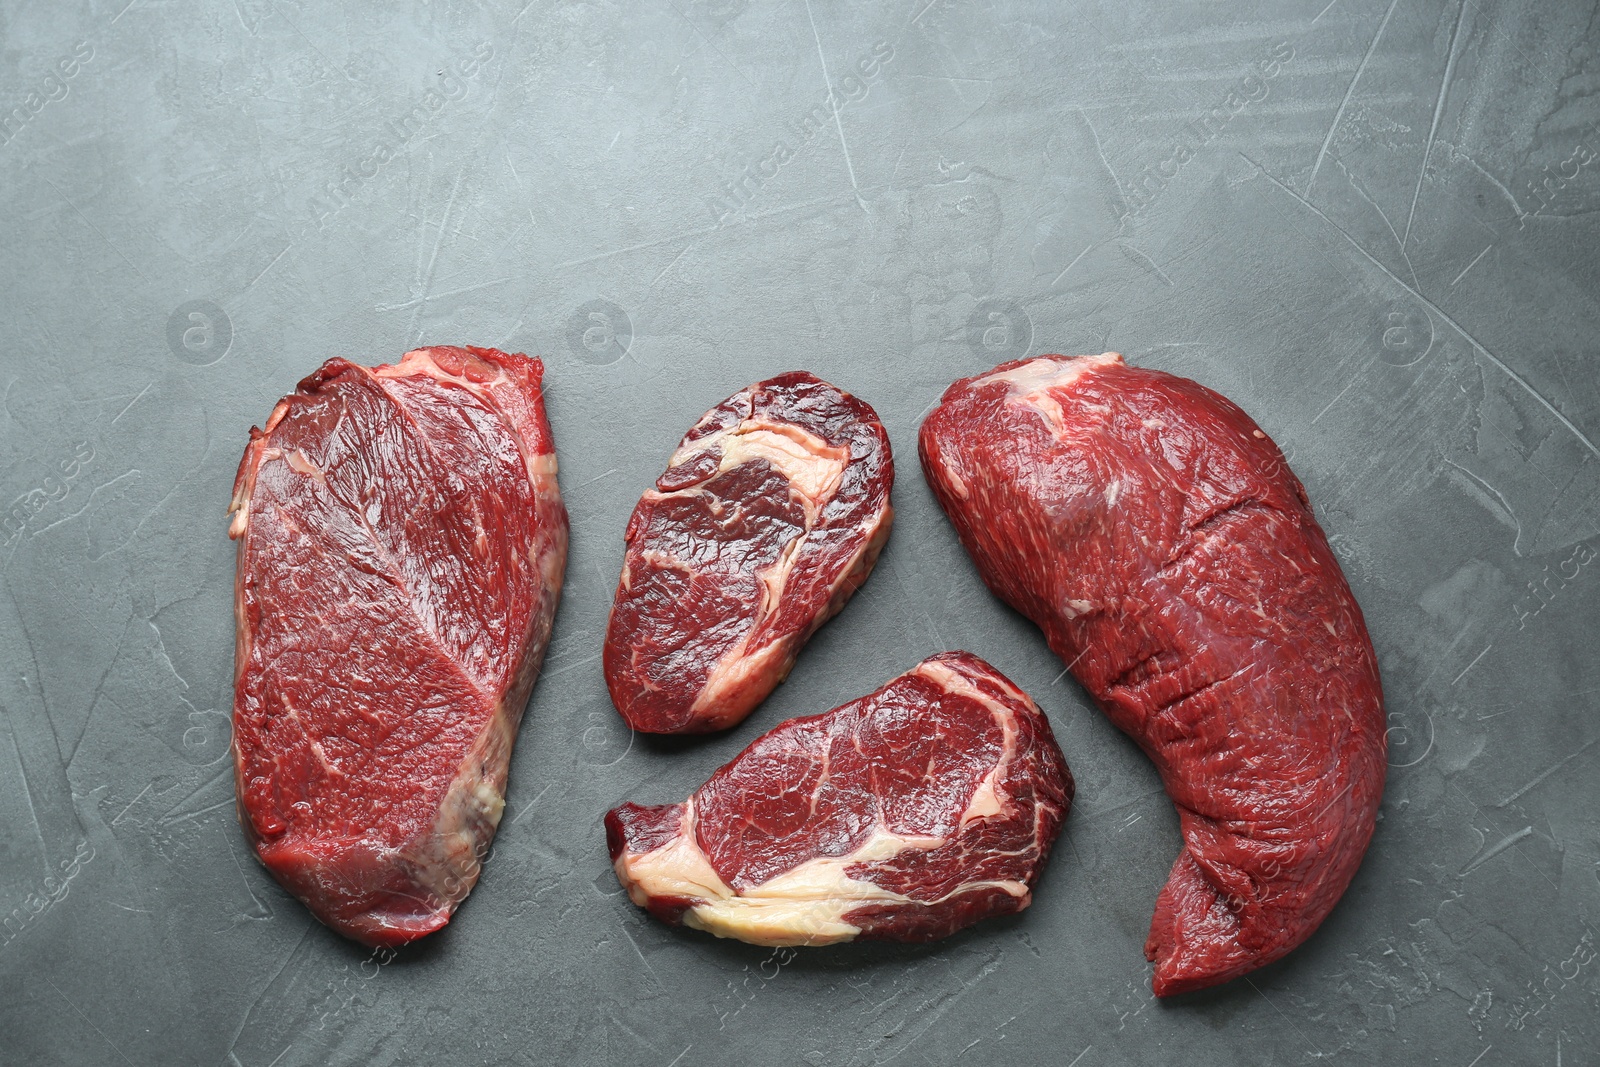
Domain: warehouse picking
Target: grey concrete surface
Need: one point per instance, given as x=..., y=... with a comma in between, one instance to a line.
x=1372, y=223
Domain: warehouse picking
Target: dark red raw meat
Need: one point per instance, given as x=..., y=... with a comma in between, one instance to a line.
x=401, y=548
x=770, y=515
x=1156, y=535
x=905, y=815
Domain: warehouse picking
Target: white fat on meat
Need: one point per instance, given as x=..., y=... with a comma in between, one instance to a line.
x=986, y=799
x=808, y=904
x=813, y=467
x=1032, y=383
x=814, y=470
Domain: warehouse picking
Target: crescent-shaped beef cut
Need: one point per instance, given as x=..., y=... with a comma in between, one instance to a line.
x=1155, y=534
x=771, y=513
x=401, y=548
x=905, y=815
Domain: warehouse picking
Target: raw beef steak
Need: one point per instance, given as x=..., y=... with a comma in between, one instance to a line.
x=401, y=548
x=903, y=816
x=1172, y=560
x=770, y=515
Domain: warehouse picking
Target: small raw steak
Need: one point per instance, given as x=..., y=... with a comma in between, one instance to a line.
x=771, y=513
x=401, y=548
x=903, y=816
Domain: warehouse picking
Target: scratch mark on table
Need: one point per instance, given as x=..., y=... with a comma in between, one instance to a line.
x=1094, y=135
x=132, y=402
x=1547, y=773
x=186, y=816
x=631, y=1032
x=100, y=687
x=245, y=1019
x=1349, y=91
x=940, y=1006
x=1513, y=845
x=1480, y=1056
x=425, y=277
x=1494, y=850
x=679, y=1057
x=242, y=23
x=84, y=1017
x=571, y=666
x=670, y=263
x=1473, y=664
x=1251, y=981
x=709, y=43
x=1141, y=258
x=1431, y=306
x=1081, y=816
x=703, y=231
x=27, y=792
x=1474, y=263
x=131, y=803
x=1324, y=11
x=263, y=909
x=951, y=78
x=1499, y=496
x=439, y=296
x=207, y=784
x=523, y=809
x=1336, y=399
x=1074, y=263
x=264, y=270
x=640, y=953
x=1438, y=112
x=838, y=123
x=1496, y=182
x=1362, y=193
x=1085, y=1052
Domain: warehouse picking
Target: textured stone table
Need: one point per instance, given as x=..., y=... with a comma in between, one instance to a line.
x=1372, y=223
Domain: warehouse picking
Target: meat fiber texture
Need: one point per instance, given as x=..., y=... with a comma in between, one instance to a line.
x=401, y=548
x=1156, y=535
x=905, y=815
x=771, y=513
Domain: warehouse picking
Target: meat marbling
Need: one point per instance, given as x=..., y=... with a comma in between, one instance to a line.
x=771, y=513
x=401, y=548
x=905, y=815
x=1157, y=536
